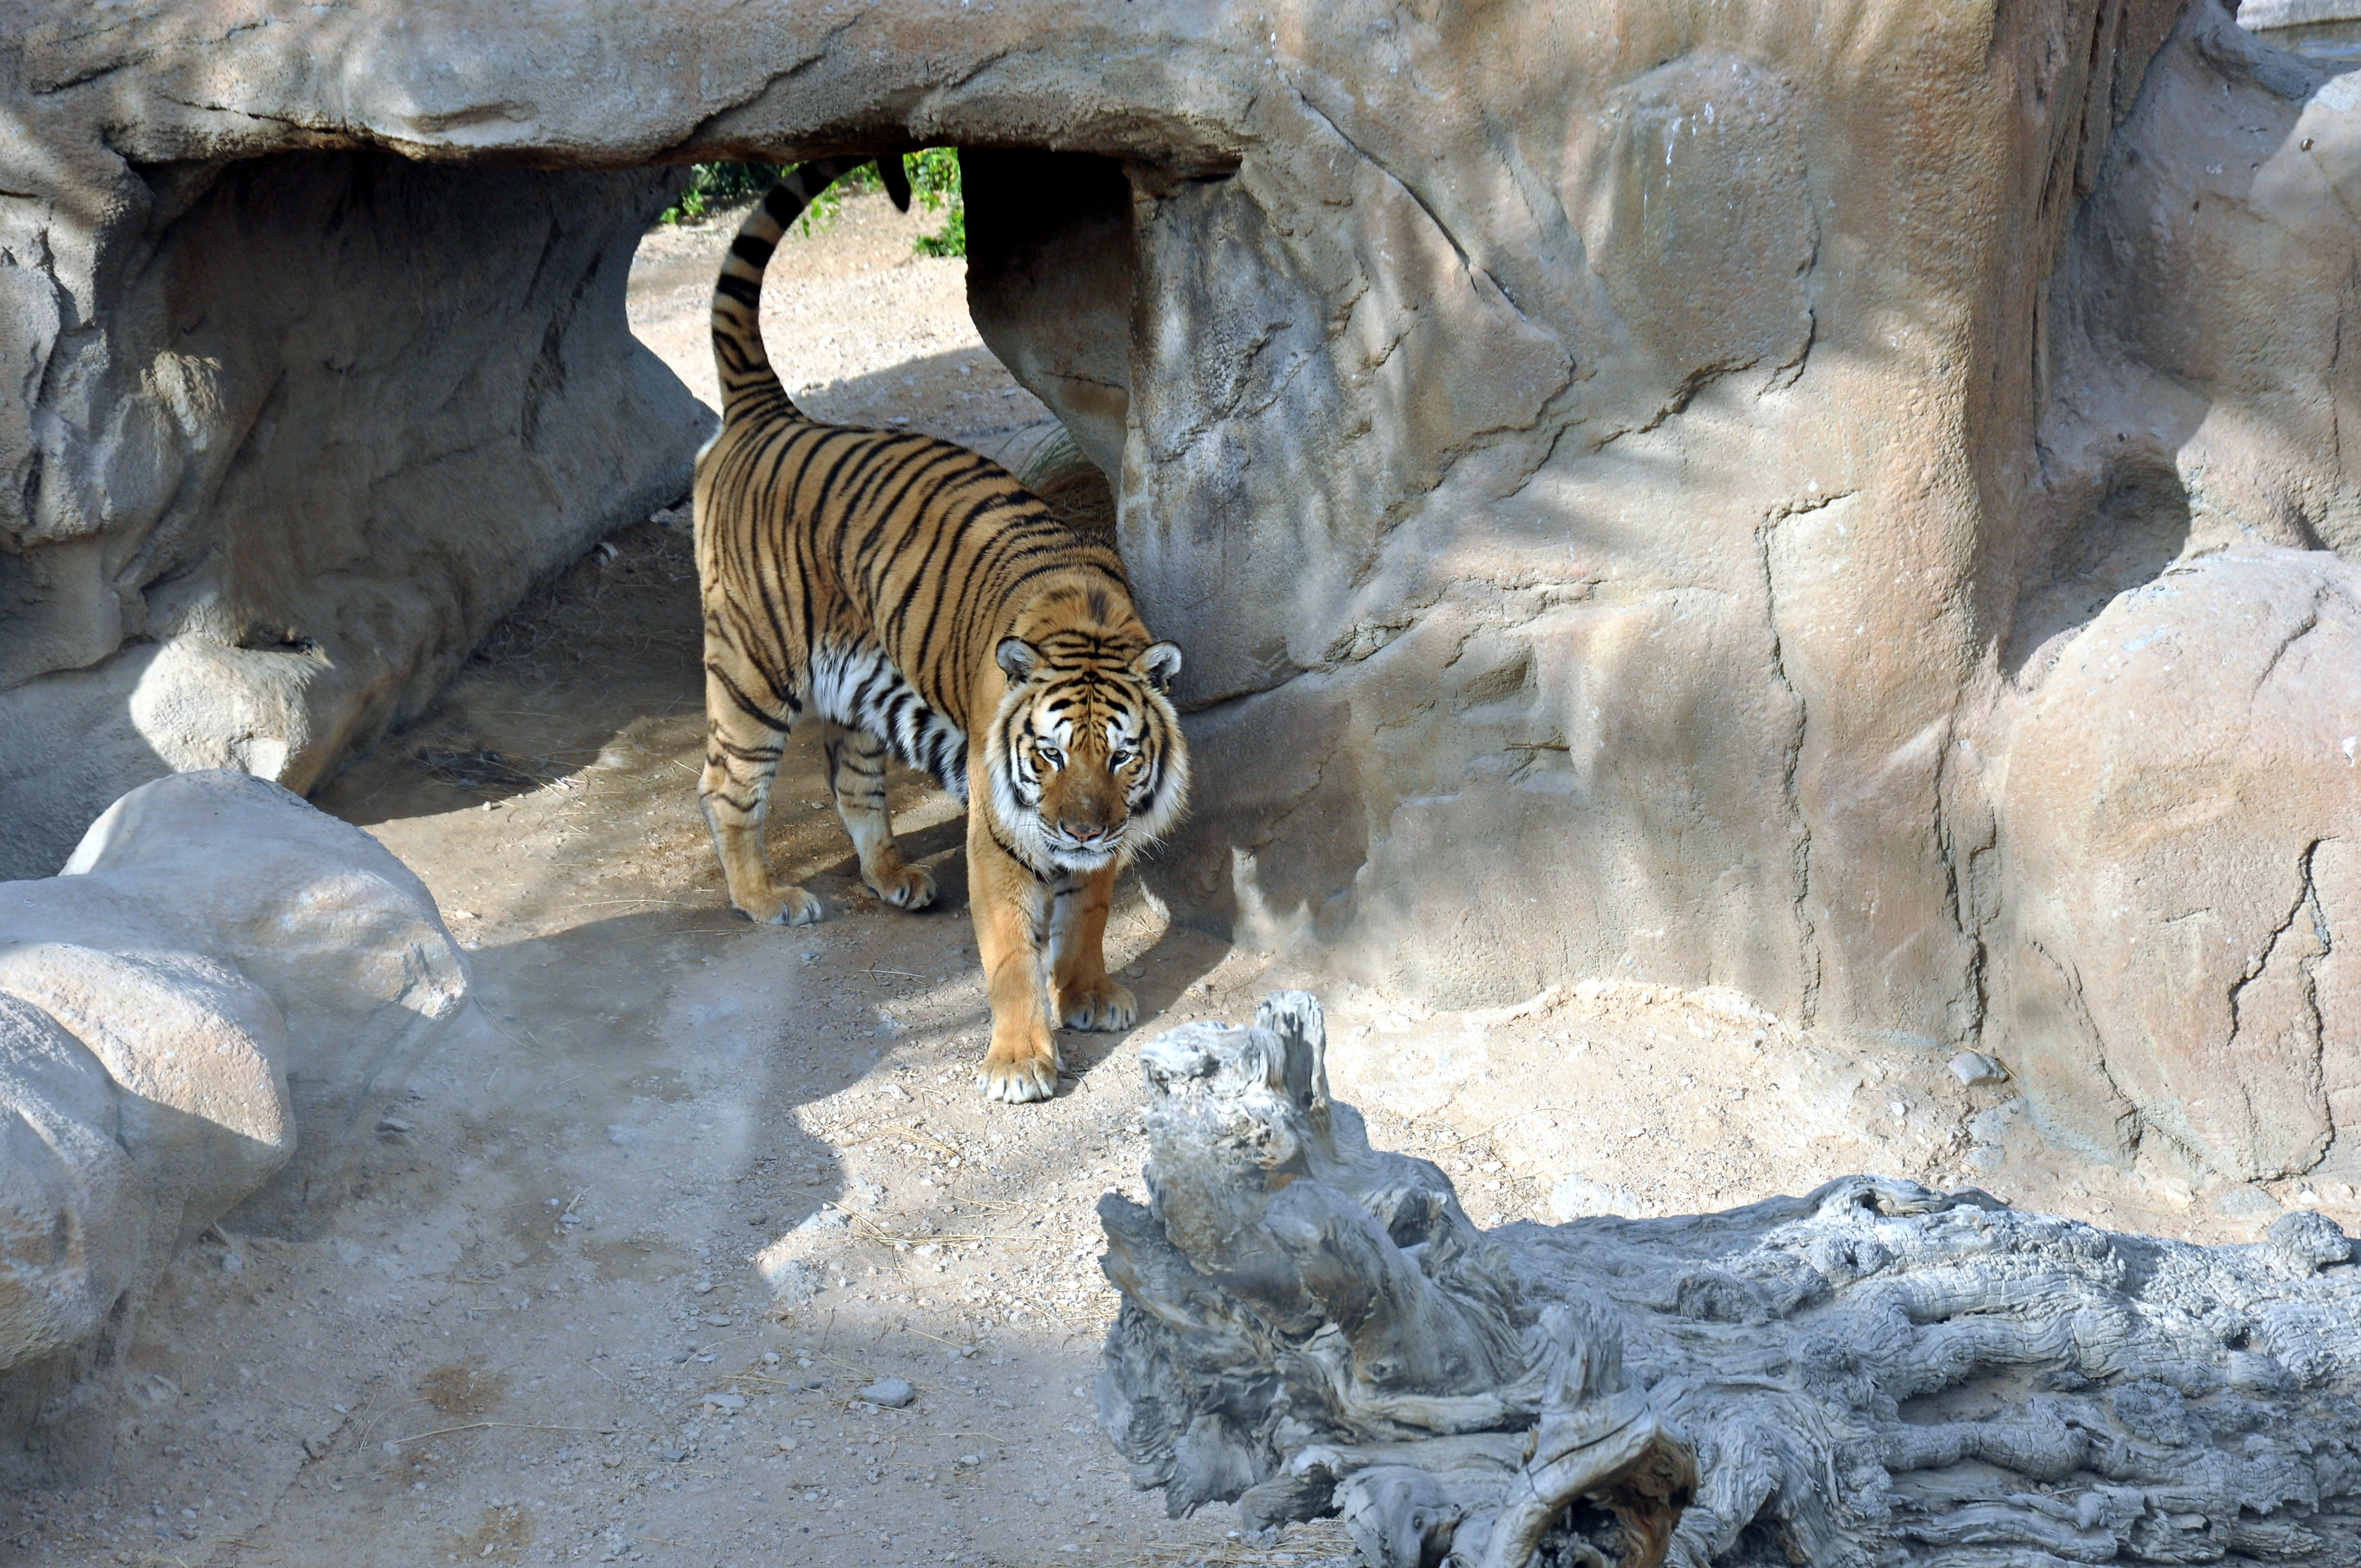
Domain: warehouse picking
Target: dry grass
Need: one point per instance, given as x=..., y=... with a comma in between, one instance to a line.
x=463, y=1391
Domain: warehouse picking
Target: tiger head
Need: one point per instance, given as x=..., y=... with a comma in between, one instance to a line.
x=1085, y=754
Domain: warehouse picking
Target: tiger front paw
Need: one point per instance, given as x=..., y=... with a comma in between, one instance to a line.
x=1016, y=1071
x=1099, y=1004
x=905, y=887
x=779, y=906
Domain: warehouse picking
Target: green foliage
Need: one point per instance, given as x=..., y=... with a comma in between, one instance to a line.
x=935, y=177
x=714, y=186
x=948, y=240
x=821, y=216
x=934, y=183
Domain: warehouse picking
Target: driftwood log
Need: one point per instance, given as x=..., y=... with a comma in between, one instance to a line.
x=1875, y=1373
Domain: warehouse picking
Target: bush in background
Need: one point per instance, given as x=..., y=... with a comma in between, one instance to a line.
x=935, y=182
x=934, y=174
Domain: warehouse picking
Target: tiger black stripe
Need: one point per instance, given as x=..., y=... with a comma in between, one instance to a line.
x=1014, y=853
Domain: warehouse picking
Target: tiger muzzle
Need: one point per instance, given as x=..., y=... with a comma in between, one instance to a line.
x=1088, y=839
x=1085, y=822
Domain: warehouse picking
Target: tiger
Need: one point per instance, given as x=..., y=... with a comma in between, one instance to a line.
x=922, y=605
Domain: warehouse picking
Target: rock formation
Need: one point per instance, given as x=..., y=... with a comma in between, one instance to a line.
x=1874, y=1372
x=297, y=430
x=1847, y=505
x=194, y=1017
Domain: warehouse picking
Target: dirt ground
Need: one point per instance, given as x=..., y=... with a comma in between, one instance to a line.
x=614, y=1269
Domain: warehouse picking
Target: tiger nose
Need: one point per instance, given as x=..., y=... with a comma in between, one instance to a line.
x=1082, y=833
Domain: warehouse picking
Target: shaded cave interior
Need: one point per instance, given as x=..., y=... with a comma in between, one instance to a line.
x=429, y=365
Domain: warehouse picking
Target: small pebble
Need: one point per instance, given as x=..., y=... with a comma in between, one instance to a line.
x=1976, y=1069
x=889, y=1393
x=726, y=1401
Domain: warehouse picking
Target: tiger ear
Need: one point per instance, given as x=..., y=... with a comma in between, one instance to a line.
x=1160, y=664
x=1017, y=658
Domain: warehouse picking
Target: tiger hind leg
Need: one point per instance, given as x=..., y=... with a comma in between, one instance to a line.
x=856, y=776
x=744, y=743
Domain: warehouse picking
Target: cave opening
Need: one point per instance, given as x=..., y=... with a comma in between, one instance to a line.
x=348, y=410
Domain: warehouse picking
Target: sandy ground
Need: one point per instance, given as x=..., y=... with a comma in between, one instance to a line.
x=613, y=1270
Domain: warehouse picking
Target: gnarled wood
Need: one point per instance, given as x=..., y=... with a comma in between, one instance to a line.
x=1874, y=1372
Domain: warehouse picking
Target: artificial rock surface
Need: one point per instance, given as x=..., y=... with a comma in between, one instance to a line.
x=294, y=433
x=1636, y=484
x=194, y=1018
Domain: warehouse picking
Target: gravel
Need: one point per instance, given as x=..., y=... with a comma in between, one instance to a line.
x=889, y=1393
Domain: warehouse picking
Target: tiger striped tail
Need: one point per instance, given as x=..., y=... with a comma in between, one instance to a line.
x=748, y=383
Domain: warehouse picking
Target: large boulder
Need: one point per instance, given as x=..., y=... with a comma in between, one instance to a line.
x=1626, y=478
x=2184, y=869
x=193, y=1017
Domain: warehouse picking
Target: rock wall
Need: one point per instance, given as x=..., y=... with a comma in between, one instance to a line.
x=1647, y=489
x=290, y=434
x=1051, y=283
x=194, y=1019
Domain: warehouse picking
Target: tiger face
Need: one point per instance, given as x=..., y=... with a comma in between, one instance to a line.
x=1084, y=757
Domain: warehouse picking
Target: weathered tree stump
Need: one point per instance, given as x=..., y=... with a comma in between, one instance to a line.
x=1874, y=1372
